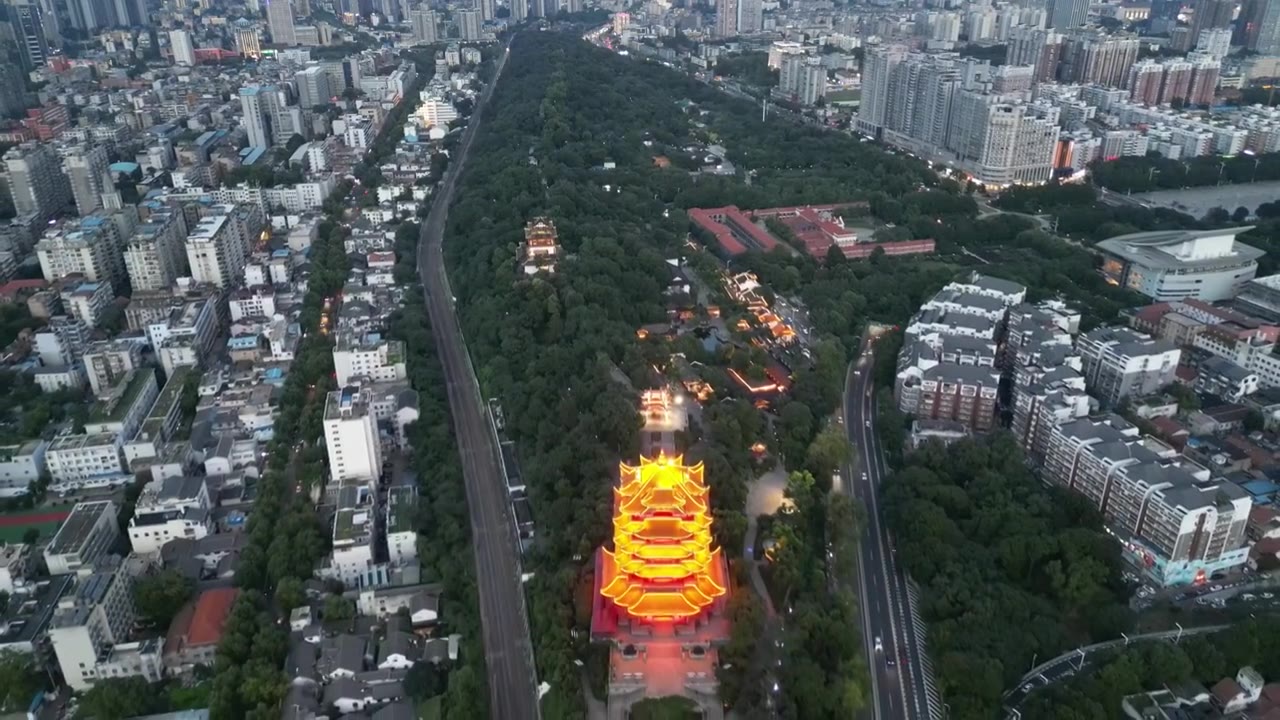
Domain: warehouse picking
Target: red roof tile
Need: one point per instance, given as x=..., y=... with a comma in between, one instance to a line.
x=210, y=616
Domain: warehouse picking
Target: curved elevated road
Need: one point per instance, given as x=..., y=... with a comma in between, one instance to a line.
x=1065, y=665
x=904, y=690
x=513, y=692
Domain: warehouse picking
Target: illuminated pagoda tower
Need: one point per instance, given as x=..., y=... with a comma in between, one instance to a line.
x=662, y=567
x=540, y=246
x=660, y=591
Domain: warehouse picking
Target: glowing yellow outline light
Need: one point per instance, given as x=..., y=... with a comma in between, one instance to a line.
x=662, y=566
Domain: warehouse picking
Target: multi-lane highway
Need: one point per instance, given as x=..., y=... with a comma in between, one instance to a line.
x=902, y=683
x=508, y=652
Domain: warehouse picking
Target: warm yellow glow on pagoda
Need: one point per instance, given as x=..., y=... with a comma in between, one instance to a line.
x=662, y=566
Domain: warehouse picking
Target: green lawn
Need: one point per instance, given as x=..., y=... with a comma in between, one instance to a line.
x=429, y=709
x=14, y=533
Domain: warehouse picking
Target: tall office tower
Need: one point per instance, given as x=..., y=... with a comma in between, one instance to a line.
x=247, y=42
x=1204, y=79
x=519, y=10
x=35, y=180
x=183, y=52
x=424, y=25
x=1177, y=82
x=1067, y=14
x=750, y=16
x=88, y=171
x=1041, y=49
x=1093, y=56
x=313, y=87
x=280, y=21
x=28, y=28
x=1260, y=23
x=469, y=24
x=1215, y=42
x=877, y=71
x=1145, y=79
x=1211, y=14
x=727, y=18
x=488, y=10
x=257, y=103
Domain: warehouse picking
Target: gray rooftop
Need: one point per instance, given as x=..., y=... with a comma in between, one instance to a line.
x=1144, y=248
x=76, y=528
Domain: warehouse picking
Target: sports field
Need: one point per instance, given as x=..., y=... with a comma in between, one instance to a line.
x=16, y=524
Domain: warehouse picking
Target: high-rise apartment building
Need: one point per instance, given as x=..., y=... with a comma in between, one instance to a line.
x=351, y=436
x=1067, y=14
x=183, y=51
x=877, y=71
x=488, y=10
x=1211, y=14
x=258, y=106
x=1145, y=79
x=1121, y=363
x=424, y=25
x=313, y=86
x=727, y=18
x=813, y=82
x=519, y=10
x=1000, y=142
x=1093, y=56
x=155, y=255
x=35, y=179
x=280, y=21
x=1214, y=42
x=1177, y=82
x=750, y=16
x=88, y=171
x=1039, y=48
x=1205, y=70
x=1172, y=516
x=218, y=246
x=1261, y=22
x=469, y=24
x=92, y=246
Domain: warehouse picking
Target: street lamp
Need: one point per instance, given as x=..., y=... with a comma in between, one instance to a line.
x=1179, y=637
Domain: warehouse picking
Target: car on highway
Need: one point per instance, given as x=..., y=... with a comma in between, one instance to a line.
x=879, y=644
x=1215, y=588
x=868, y=423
